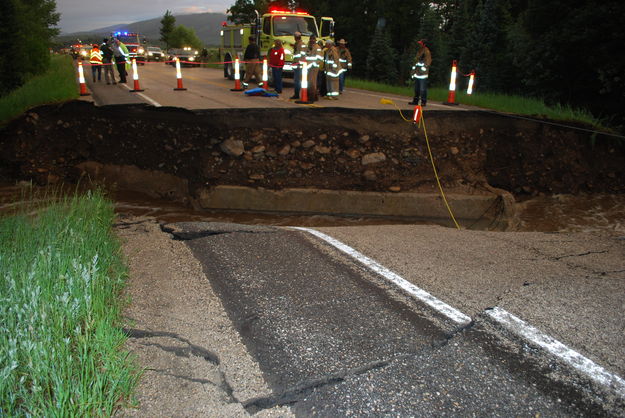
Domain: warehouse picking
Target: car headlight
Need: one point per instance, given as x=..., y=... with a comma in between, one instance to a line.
x=83, y=53
x=141, y=50
x=150, y=53
x=191, y=58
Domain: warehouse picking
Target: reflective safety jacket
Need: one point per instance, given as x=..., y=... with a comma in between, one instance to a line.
x=96, y=56
x=331, y=62
x=345, y=59
x=421, y=68
x=299, y=53
x=314, y=56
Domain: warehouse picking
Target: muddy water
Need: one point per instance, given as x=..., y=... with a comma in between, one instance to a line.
x=556, y=213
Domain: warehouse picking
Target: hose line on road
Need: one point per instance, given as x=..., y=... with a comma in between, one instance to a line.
x=427, y=142
x=440, y=187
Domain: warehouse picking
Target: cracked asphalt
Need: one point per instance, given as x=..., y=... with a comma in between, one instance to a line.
x=273, y=322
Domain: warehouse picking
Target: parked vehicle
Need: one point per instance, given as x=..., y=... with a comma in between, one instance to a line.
x=277, y=24
x=187, y=56
x=154, y=53
x=134, y=44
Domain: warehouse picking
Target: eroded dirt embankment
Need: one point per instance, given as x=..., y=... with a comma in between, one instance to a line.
x=339, y=149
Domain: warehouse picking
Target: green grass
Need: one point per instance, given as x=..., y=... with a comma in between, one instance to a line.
x=61, y=274
x=56, y=85
x=500, y=102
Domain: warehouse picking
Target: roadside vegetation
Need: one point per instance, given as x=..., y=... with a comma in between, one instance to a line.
x=496, y=101
x=57, y=84
x=61, y=274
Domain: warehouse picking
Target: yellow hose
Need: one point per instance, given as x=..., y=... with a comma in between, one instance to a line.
x=427, y=142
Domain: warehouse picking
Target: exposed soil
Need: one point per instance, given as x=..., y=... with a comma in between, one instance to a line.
x=331, y=148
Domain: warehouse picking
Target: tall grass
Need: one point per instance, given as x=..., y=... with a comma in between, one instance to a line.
x=61, y=276
x=496, y=101
x=56, y=85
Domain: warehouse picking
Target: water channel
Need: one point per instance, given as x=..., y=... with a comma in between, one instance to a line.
x=554, y=213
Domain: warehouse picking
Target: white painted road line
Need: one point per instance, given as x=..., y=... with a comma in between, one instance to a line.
x=151, y=101
x=556, y=348
x=414, y=291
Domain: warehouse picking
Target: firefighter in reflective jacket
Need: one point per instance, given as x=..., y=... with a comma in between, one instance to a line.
x=420, y=72
x=314, y=58
x=299, y=54
x=345, y=57
x=332, y=69
x=95, y=59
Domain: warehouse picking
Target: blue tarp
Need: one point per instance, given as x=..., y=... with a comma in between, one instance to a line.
x=260, y=92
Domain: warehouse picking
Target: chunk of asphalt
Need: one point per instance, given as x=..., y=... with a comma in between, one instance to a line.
x=185, y=231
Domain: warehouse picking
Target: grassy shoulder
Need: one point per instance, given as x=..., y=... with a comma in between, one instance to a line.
x=61, y=276
x=500, y=102
x=56, y=85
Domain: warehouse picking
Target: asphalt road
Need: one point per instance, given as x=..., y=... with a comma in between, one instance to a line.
x=335, y=338
x=208, y=89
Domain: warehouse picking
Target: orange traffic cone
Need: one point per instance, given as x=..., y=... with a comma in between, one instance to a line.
x=178, y=76
x=81, y=80
x=135, y=77
x=304, y=87
x=237, y=77
x=451, y=96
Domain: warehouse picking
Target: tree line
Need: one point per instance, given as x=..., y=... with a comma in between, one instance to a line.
x=27, y=28
x=561, y=51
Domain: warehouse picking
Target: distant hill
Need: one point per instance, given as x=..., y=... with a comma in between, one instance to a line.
x=206, y=27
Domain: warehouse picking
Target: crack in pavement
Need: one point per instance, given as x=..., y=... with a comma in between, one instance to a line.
x=295, y=394
x=186, y=352
x=579, y=255
x=223, y=384
x=192, y=349
x=190, y=236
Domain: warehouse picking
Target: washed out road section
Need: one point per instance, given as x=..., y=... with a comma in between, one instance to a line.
x=331, y=339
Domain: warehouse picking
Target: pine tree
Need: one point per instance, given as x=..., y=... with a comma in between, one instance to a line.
x=168, y=24
x=381, y=60
x=26, y=31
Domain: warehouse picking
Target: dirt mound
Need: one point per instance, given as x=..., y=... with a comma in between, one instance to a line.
x=339, y=149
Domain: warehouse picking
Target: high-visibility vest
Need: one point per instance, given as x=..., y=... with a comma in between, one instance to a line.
x=95, y=57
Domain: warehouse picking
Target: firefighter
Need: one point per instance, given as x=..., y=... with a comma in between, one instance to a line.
x=253, y=64
x=107, y=61
x=332, y=70
x=345, y=58
x=120, y=52
x=321, y=77
x=299, y=54
x=420, y=72
x=95, y=59
x=314, y=57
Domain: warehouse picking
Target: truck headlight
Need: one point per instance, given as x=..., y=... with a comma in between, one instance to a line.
x=141, y=50
x=191, y=58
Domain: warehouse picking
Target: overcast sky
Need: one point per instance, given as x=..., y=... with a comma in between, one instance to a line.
x=78, y=15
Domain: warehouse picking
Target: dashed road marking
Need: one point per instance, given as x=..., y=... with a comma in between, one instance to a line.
x=556, y=348
x=414, y=291
x=510, y=322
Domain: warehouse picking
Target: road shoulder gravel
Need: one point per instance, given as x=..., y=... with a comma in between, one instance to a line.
x=194, y=361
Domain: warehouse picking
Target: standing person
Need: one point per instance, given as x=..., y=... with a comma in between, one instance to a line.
x=345, y=59
x=252, y=63
x=332, y=70
x=314, y=57
x=299, y=54
x=95, y=59
x=276, y=61
x=107, y=62
x=120, y=52
x=420, y=72
x=321, y=78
